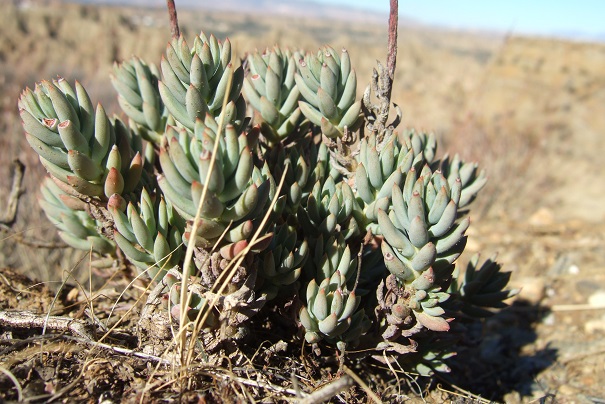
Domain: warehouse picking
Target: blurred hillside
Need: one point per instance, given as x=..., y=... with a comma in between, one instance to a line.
x=529, y=110
x=302, y=8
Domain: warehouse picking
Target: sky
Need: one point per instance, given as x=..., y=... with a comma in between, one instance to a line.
x=577, y=18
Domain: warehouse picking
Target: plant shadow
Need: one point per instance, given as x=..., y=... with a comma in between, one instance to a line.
x=496, y=356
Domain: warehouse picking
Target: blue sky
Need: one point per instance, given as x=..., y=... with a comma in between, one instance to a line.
x=580, y=18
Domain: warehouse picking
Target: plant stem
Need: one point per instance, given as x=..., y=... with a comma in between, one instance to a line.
x=382, y=83
x=392, y=44
x=174, y=21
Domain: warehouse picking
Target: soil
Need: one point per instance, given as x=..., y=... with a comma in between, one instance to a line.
x=547, y=346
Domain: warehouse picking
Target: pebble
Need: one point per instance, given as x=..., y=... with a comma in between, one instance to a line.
x=593, y=326
x=542, y=217
x=551, y=292
x=597, y=299
x=549, y=319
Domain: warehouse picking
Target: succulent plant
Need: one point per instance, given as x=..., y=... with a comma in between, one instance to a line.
x=422, y=239
x=272, y=92
x=75, y=142
x=196, y=302
x=149, y=233
x=328, y=86
x=233, y=197
x=362, y=234
x=196, y=81
x=384, y=164
x=471, y=179
x=332, y=306
x=309, y=162
x=75, y=226
x=421, y=229
x=282, y=262
x=331, y=311
x=329, y=209
x=139, y=97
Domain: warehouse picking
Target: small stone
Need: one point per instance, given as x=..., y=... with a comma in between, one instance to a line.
x=597, y=299
x=593, y=326
x=551, y=292
x=549, y=319
x=573, y=270
x=542, y=217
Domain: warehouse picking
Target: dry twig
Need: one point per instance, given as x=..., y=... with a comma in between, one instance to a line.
x=121, y=350
x=392, y=45
x=15, y=381
x=258, y=384
x=382, y=82
x=27, y=319
x=174, y=22
x=329, y=390
x=17, y=168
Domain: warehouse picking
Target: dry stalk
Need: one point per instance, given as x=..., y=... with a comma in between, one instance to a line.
x=27, y=319
x=463, y=393
x=174, y=22
x=382, y=82
x=15, y=381
x=329, y=390
x=122, y=351
x=392, y=46
x=577, y=307
x=235, y=263
x=363, y=385
x=8, y=218
x=257, y=383
x=185, y=295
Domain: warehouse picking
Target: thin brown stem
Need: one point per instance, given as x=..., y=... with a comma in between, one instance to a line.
x=174, y=21
x=377, y=114
x=392, y=44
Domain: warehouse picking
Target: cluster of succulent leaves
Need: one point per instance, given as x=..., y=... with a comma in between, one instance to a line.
x=368, y=252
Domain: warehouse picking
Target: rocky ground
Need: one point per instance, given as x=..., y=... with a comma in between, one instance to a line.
x=547, y=346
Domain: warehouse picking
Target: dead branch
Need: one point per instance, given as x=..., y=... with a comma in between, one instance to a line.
x=174, y=22
x=80, y=330
x=392, y=44
x=382, y=82
x=17, y=168
x=120, y=350
x=329, y=390
x=28, y=320
x=256, y=383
